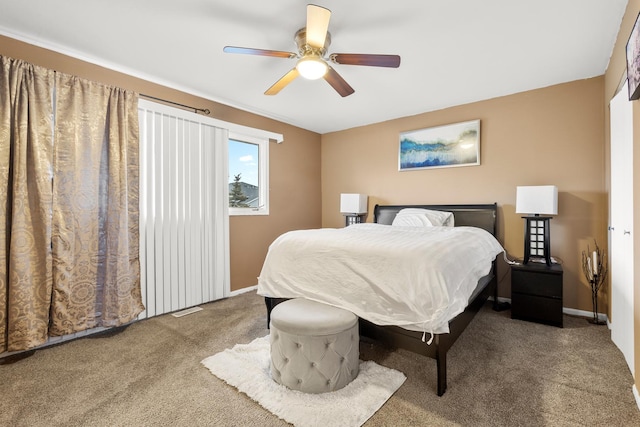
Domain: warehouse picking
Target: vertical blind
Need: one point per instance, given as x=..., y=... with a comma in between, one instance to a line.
x=184, y=222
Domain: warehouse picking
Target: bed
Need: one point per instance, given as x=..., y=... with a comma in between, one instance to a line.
x=284, y=277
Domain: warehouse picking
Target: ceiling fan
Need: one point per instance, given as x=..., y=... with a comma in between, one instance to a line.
x=313, y=42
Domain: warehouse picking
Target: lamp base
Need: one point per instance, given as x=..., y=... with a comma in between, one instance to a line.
x=352, y=219
x=597, y=322
x=537, y=238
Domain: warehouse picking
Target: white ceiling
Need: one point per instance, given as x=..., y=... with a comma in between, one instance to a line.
x=453, y=52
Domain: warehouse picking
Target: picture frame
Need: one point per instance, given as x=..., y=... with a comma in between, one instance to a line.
x=633, y=61
x=452, y=145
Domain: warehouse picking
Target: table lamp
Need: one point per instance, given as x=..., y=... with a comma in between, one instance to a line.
x=538, y=202
x=353, y=207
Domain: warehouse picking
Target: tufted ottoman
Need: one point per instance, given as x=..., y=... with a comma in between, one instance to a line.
x=314, y=346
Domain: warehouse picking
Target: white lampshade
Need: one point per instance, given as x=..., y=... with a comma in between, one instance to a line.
x=353, y=203
x=540, y=199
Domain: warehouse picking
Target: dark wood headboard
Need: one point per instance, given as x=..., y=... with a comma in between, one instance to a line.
x=481, y=216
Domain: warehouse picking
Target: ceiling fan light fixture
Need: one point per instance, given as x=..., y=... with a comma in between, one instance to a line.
x=313, y=42
x=312, y=67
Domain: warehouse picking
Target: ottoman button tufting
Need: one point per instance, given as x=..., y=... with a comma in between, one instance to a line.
x=303, y=330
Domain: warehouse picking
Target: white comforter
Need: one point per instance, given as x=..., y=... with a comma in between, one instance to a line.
x=416, y=278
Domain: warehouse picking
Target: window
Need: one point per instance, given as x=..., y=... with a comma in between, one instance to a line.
x=248, y=175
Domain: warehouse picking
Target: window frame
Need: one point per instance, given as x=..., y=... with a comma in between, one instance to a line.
x=263, y=174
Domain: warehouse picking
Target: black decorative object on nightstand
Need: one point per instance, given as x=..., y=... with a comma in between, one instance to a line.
x=536, y=293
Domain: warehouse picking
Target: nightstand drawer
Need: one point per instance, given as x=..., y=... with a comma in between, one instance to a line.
x=536, y=293
x=538, y=309
x=536, y=283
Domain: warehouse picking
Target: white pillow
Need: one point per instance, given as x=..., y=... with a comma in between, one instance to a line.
x=412, y=220
x=417, y=217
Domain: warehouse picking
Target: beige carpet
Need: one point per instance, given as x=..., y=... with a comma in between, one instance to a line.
x=502, y=372
x=247, y=368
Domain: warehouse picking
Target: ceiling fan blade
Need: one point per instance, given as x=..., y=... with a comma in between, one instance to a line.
x=338, y=83
x=317, y=25
x=392, y=61
x=261, y=52
x=284, y=80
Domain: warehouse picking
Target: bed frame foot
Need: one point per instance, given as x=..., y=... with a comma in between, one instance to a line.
x=441, y=364
x=498, y=305
x=501, y=306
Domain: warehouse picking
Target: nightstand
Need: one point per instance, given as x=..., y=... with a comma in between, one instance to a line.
x=536, y=293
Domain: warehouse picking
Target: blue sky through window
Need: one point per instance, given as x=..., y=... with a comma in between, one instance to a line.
x=243, y=159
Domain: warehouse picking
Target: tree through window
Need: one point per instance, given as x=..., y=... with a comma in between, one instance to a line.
x=248, y=163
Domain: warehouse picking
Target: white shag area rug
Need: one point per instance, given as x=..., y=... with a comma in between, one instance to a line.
x=246, y=367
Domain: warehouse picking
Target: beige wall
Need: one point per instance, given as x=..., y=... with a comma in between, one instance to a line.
x=294, y=177
x=553, y=136
x=615, y=71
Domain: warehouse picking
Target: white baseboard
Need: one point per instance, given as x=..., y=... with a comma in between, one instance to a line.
x=636, y=395
x=583, y=313
x=243, y=290
x=570, y=311
x=61, y=339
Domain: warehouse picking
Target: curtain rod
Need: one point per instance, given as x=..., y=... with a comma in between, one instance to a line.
x=195, y=110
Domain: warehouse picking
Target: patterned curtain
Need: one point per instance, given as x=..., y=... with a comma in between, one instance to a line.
x=26, y=153
x=68, y=205
x=96, y=270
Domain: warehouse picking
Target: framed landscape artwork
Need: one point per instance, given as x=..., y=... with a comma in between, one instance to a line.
x=440, y=147
x=633, y=62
